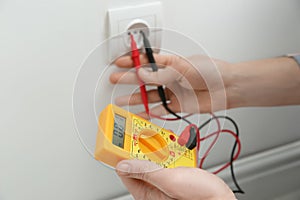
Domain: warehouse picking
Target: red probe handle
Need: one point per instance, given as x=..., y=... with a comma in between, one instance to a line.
x=135, y=55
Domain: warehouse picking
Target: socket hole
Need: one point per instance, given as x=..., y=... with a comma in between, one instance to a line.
x=134, y=29
x=139, y=26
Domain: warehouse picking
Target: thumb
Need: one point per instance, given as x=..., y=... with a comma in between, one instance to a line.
x=147, y=172
x=142, y=179
x=138, y=169
x=161, y=77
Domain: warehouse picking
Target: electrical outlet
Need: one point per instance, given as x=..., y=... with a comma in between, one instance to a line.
x=121, y=21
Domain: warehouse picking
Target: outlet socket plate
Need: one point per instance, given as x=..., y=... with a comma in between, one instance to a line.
x=121, y=19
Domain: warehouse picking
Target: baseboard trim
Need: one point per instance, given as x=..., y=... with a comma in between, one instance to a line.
x=266, y=162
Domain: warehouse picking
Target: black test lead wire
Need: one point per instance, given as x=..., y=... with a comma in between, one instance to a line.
x=239, y=189
x=154, y=67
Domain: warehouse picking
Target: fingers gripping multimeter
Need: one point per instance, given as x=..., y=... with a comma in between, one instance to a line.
x=123, y=135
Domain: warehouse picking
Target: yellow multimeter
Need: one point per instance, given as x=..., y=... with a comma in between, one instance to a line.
x=123, y=135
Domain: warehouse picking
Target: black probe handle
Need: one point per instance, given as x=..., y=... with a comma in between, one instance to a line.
x=149, y=53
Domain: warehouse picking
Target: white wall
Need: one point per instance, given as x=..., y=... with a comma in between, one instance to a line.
x=42, y=44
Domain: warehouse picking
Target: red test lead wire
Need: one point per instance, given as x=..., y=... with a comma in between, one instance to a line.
x=135, y=55
x=238, y=146
x=213, y=142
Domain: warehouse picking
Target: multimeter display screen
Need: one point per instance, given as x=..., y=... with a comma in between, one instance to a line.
x=119, y=130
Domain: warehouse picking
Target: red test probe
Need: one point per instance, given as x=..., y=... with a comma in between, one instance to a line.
x=135, y=55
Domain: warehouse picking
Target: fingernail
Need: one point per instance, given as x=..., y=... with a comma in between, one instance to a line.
x=144, y=72
x=119, y=101
x=123, y=167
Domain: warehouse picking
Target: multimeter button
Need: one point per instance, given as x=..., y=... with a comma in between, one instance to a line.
x=173, y=138
x=184, y=136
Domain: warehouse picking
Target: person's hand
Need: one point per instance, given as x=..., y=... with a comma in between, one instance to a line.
x=146, y=181
x=191, y=86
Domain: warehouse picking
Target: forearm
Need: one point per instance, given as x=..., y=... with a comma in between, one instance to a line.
x=270, y=82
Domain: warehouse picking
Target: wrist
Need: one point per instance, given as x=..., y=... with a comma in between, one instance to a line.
x=230, y=78
x=233, y=80
x=269, y=82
